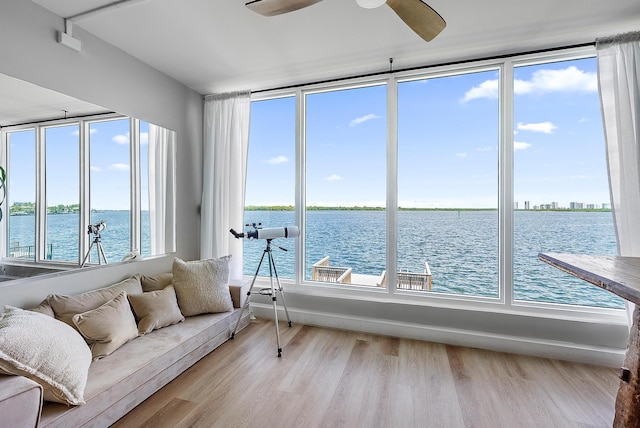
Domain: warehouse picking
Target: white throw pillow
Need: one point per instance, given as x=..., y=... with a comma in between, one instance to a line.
x=202, y=286
x=46, y=351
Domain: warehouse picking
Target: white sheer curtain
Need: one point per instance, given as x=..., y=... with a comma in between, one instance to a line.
x=161, y=189
x=226, y=143
x=619, y=85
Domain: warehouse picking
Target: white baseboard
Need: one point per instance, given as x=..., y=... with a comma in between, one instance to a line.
x=602, y=356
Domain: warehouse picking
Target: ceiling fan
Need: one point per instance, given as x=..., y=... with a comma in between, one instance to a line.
x=421, y=18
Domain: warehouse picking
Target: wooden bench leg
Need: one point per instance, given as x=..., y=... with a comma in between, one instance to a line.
x=628, y=399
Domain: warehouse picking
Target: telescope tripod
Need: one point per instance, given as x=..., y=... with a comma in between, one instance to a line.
x=98, y=242
x=269, y=291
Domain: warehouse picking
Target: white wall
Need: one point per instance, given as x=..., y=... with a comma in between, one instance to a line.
x=106, y=76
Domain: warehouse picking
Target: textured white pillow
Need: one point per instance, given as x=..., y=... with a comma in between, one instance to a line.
x=46, y=351
x=202, y=286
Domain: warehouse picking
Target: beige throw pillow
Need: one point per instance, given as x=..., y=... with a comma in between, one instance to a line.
x=155, y=309
x=202, y=286
x=107, y=327
x=46, y=351
x=44, y=308
x=65, y=307
x=156, y=282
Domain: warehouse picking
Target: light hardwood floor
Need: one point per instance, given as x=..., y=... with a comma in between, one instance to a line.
x=333, y=378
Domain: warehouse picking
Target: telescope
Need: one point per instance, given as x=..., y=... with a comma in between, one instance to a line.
x=268, y=233
x=96, y=228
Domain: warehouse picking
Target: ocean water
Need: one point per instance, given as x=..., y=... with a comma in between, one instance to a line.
x=62, y=235
x=461, y=248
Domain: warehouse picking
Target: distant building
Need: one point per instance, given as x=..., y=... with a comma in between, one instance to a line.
x=516, y=206
x=526, y=205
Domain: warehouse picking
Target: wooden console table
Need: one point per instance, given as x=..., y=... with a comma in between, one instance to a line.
x=621, y=276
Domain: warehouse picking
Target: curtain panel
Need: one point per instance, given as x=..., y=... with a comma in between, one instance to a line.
x=162, y=158
x=619, y=86
x=226, y=144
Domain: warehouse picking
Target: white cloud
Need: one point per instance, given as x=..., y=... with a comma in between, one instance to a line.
x=461, y=155
x=95, y=168
x=119, y=166
x=544, y=127
x=570, y=79
x=363, y=119
x=487, y=89
x=484, y=149
x=519, y=145
x=121, y=139
x=144, y=138
x=277, y=160
x=333, y=177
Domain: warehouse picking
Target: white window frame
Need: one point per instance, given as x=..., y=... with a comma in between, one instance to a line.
x=505, y=302
x=84, y=192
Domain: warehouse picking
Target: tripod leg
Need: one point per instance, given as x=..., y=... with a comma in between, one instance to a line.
x=86, y=256
x=246, y=303
x=274, y=301
x=284, y=303
x=101, y=253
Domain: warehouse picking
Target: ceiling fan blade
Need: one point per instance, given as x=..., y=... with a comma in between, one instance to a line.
x=278, y=7
x=419, y=16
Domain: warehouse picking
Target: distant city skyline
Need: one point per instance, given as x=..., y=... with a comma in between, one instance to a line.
x=556, y=205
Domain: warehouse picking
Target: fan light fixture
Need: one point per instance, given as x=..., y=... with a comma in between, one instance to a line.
x=418, y=16
x=370, y=4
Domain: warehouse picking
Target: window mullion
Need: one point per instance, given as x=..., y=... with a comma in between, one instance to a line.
x=300, y=190
x=506, y=198
x=85, y=190
x=41, y=197
x=135, y=243
x=392, y=185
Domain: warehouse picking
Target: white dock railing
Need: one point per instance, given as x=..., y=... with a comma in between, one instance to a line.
x=322, y=271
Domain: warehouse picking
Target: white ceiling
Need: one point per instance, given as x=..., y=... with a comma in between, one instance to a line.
x=220, y=45
x=22, y=101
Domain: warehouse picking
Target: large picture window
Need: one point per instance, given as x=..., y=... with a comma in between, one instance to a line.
x=345, y=163
x=448, y=186
x=270, y=187
x=561, y=186
x=454, y=179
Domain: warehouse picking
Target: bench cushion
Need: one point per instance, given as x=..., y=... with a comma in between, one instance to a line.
x=20, y=402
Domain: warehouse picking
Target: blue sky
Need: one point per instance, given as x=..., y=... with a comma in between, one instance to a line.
x=109, y=165
x=448, y=133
